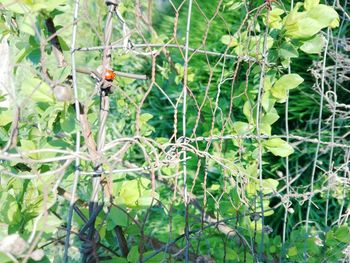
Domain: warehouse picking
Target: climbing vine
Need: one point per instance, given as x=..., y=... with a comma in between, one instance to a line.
x=174, y=131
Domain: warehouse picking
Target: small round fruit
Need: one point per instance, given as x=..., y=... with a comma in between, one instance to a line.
x=106, y=73
x=109, y=75
x=62, y=93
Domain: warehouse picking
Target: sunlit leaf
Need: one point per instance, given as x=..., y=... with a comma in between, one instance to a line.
x=269, y=186
x=288, y=51
x=278, y=147
x=342, y=234
x=285, y=83
x=241, y=128
x=6, y=116
x=270, y=117
x=314, y=45
x=229, y=41
x=267, y=101
x=293, y=251
x=306, y=24
x=265, y=129
x=275, y=20
x=309, y=4
x=29, y=145
x=37, y=90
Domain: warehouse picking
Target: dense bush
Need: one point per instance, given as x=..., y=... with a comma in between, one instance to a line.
x=233, y=149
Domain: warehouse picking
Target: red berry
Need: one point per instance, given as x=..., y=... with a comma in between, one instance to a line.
x=109, y=75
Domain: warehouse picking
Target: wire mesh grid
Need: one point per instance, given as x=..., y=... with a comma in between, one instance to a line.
x=180, y=145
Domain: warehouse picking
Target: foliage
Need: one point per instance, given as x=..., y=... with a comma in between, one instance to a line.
x=262, y=186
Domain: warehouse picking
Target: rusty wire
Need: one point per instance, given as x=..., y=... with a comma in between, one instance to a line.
x=110, y=152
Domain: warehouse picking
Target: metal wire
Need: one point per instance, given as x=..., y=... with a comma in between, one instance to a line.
x=199, y=162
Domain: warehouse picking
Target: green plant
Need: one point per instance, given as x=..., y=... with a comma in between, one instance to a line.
x=266, y=177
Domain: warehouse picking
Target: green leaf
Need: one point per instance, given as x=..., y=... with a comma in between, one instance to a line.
x=251, y=188
x=13, y=6
x=252, y=45
x=275, y=20
x=68, y=122
x=289, y=81
x=28, y=145
x=268, y=212
x=285, y=63
x=309, y=4
x=285, y=83
x=8, y=208
x=23, y=53
x=301, y=25
x=233, y=5
x=27, y=25
x=132, y=190
x=272, y=249
x=229, y=41
x=38, y=5
x=270, y=117
x=116, y=217
x=215, y=187
x=145, y=117
x=6, y=258
x=334, y=23
x=146, y=129
x=63, y=44
x=288, y=51
x=146, y=198
x=267, y=120
x=133, y=255
x=267, y=101
x=115, y=260
x=342, y=234
x=323, y=14
x=5, y=117
x=265, y=129
x=269, y=186
x=60, y=74
x=278, y=147
x=292, y=252
x=241, y=128
x=280, y=94
x=247, y=111
x=307, y=27
x=314, y=45
x=37, y=90
x=330, y=239
x=160, y=257
x=267, y=83
x=48, y=224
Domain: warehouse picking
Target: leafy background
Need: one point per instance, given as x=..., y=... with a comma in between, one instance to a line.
x=266, y=146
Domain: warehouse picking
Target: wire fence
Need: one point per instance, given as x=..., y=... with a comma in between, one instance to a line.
x=169, y=117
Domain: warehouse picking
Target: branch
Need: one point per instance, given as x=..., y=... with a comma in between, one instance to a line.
x=123, y=244
x=118, y=73
x=87, y=133
x=56, y=46
x=12, y=141
x=154, y=243
x=210, y=219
